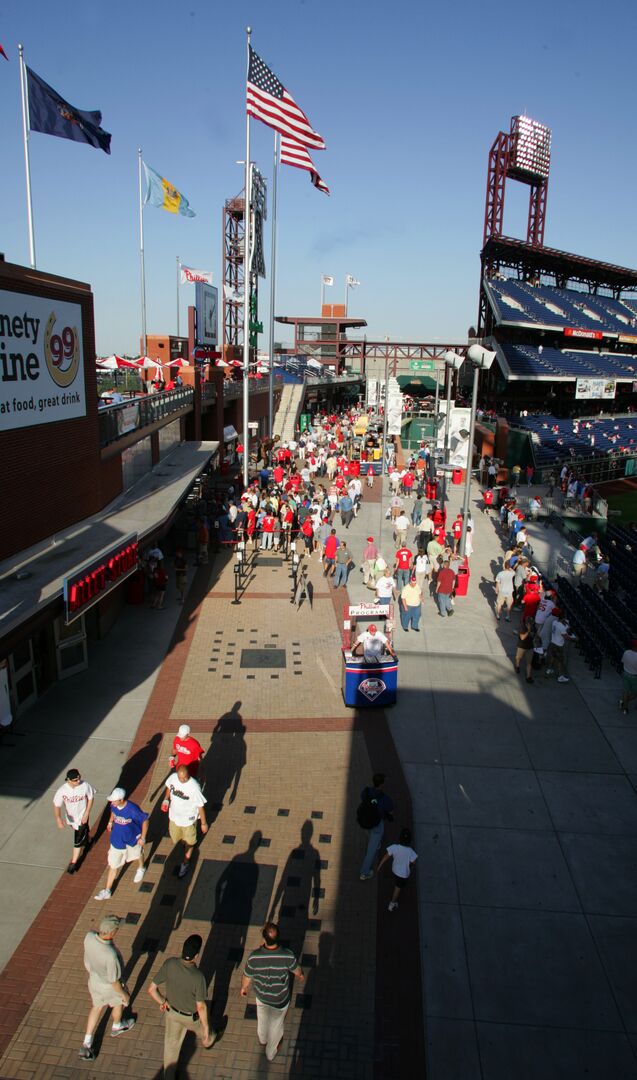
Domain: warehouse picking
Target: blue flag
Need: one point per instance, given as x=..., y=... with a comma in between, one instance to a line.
x=52, y=115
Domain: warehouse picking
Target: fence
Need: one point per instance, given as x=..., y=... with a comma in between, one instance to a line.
x=115, y=421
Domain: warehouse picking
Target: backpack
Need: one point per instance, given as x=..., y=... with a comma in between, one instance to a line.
x=369, y=813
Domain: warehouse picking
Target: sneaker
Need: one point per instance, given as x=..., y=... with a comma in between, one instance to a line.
x=125, y=1025
x=183, y=869
x=87, y=1053
x=103, y=894
x=563, y=678
x=366, y=877
x=530, y=680
x=392, y=905
x=139, y=875
x=507, y=618
x=549, y=671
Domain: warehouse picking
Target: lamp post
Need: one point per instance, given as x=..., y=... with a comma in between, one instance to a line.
x=481, y=359
x=453, y=362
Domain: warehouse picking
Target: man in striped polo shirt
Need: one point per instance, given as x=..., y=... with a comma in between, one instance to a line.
x=269, y=967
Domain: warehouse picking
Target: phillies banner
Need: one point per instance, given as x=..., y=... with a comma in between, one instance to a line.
x=190, y=276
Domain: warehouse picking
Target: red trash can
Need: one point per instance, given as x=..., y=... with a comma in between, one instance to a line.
x=462, y=580
x=432, y=489
x=456, y=476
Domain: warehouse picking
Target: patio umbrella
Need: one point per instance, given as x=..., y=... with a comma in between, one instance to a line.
x=114, y=363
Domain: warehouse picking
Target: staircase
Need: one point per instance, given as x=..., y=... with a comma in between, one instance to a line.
x=288, y=411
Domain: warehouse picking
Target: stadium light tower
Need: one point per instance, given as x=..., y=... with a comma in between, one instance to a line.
x=524, y=154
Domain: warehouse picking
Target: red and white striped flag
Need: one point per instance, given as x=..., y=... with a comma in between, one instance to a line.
x=268, y=100
x=292, y=153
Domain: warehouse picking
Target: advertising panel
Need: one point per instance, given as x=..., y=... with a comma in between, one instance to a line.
x=459, y=423
x=41, y=361
x=206, y=308
x=595, y=388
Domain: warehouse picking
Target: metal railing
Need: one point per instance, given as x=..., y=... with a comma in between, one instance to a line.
x=116, y=421
x=596, y=470
x=232, y=389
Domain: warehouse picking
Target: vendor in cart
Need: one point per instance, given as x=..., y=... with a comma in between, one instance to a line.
x=373, y=645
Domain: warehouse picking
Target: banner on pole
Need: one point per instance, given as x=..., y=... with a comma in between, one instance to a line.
x=190, y=276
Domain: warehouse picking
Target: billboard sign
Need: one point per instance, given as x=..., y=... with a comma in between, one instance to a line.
x=459, y=425
x=595, y=388
x=206, y=309
x=41, y=361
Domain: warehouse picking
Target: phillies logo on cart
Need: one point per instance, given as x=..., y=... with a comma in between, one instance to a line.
x=372, y=688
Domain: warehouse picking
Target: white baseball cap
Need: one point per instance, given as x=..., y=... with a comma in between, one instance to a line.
x=184, y=731
x=117, y=794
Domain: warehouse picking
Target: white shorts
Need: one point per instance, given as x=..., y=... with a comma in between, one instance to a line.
x=119, y=856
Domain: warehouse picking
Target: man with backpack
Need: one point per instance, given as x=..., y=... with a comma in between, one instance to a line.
x=375, y=808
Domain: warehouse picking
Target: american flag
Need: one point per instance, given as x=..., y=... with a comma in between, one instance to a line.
x=292, y=153
x=268, y=100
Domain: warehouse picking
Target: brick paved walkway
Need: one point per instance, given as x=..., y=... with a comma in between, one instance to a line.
x=284, y=765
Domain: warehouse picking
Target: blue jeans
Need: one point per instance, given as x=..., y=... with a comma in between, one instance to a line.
x=402, y=578
x=410, y=617
x=444, y=603
x=340, y=577
x=373, y=844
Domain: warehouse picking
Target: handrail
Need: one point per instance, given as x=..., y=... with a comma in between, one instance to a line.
x=116, y=421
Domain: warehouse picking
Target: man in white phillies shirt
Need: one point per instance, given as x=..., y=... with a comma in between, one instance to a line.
x=184, y=801
x=76, y=796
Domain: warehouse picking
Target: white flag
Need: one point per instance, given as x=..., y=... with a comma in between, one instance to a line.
x=327, y=280
x=351, y=281
x=188, y=276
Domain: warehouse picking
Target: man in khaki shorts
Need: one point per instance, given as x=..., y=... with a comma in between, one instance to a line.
x=128, y=826
x=184, y=801
x=104, y=965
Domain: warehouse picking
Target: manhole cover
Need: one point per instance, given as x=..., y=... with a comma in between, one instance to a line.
x=269, y=562
x=263, y=658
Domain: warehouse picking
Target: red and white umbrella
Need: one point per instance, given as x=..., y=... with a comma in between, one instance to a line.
x=114, y=363
x=145, y=363
x=178, y=362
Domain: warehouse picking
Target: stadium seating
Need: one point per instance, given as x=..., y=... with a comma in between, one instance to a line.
x=528, y=361
x=520, y=302
x=592, y=437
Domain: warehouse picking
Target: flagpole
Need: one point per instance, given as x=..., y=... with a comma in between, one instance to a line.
x=27, y=163
x=273, y=285
x=178, y=276
x=322, y=292
x=246, y=287
x=346, y=288
x=141, y=253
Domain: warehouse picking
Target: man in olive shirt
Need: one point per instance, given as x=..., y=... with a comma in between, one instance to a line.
x=104, y=965
x=269, y=967
x=184, y=1002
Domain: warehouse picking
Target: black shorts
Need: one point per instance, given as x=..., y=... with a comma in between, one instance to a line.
x=399, y=882
x=80, y=836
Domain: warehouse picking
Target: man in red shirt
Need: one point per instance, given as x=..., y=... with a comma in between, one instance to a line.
x=186, y=751
x=488, y=501
x=267, y=531
x=445, y=584
x=408, y=482
x=402, y=566
x=456, y=529
x=278, y=473
x=329, y=554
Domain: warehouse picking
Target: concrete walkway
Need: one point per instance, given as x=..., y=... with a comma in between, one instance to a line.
x=526, y=810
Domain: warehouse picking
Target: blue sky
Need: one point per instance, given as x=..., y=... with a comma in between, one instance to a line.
x=408, y=98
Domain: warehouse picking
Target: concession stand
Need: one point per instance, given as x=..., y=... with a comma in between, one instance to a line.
x=368, y=684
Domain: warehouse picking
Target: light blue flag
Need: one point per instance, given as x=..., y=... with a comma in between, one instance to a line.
x=160, y=192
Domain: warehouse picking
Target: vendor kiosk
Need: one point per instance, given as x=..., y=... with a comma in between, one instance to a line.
x=366, y=684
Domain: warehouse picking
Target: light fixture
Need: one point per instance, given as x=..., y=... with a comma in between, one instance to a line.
x=453, y=359
x=480, y=357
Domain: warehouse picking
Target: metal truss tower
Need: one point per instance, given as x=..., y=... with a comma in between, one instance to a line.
x=233, y=241
x=524, y=154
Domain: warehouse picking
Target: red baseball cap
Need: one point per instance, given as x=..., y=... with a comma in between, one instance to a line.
x=370, y=539
x=372, y=628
